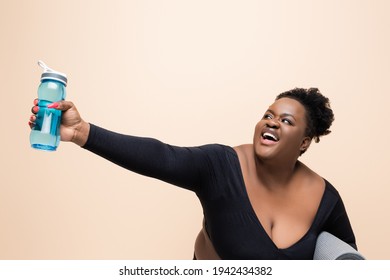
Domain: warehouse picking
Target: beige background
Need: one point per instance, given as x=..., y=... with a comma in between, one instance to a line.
x=187, y=73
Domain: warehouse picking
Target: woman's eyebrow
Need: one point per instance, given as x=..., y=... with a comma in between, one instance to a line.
x=272, y=112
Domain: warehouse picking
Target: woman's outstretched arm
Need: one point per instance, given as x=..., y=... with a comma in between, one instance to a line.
x=182, y=166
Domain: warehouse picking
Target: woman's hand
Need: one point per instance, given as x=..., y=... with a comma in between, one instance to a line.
x=73, y=128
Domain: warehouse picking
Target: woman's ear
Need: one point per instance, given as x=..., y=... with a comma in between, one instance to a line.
x=305, y=144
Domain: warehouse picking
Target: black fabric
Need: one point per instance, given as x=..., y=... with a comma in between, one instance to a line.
x=213, y=172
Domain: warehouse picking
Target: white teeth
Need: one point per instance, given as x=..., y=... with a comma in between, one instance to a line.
x=267, y=134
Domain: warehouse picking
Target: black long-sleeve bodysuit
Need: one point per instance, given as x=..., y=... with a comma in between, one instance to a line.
x=213, y=172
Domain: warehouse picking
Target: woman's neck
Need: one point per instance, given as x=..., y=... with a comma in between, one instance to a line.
x=276, y=174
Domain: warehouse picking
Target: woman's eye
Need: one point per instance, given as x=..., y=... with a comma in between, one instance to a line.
x=287, y=121
x=267, y=116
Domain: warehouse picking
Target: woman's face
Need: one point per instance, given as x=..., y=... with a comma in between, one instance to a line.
x=281, y=131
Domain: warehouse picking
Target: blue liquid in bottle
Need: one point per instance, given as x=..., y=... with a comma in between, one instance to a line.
x=45, y=135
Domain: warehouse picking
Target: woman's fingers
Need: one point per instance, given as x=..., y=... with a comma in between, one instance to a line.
x=32, y=120
x=34, y=109
x=61, y=105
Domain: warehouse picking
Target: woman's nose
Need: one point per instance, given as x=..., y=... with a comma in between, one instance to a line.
x=272, y=123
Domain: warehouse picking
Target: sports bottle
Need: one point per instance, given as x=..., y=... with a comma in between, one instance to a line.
x=45, y=134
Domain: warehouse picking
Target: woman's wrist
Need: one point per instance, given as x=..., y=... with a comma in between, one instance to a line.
x=81, y=133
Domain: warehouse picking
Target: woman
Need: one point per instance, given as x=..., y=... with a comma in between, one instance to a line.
x=259, y=201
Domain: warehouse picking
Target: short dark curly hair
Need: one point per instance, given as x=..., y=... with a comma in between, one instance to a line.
x=319, y=115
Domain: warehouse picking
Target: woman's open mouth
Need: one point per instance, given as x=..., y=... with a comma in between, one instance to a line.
x=269, y=138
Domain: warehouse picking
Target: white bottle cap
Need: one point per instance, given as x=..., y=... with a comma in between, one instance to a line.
x=50, y=74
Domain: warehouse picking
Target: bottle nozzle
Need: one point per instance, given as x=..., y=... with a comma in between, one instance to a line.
x=45, y=67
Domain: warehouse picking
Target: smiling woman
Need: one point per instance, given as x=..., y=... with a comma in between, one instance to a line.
x=285, y=121
x=259, y=201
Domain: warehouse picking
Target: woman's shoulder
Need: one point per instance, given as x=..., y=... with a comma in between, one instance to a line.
x=243, y=147
x=313, y=178
x=317, y=177
x=309, y=175
x=244, y=150
x=244, y=153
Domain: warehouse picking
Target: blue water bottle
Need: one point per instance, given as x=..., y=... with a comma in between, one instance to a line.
x=45, y=135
